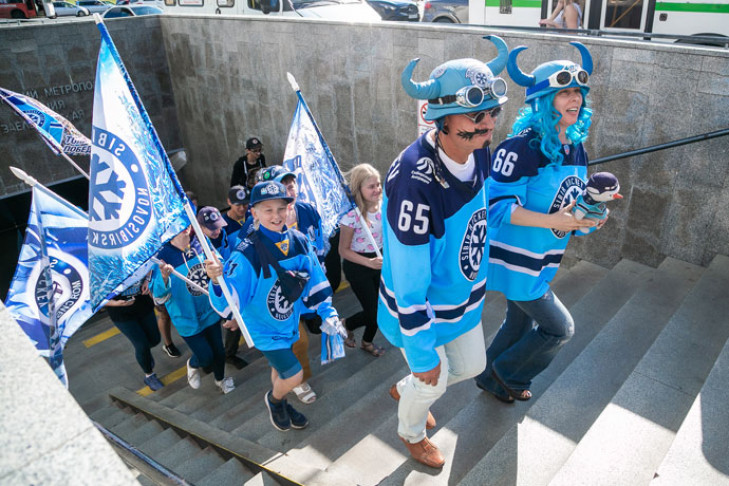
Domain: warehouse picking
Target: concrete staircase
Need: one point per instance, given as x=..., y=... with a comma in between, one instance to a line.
x=637, y=397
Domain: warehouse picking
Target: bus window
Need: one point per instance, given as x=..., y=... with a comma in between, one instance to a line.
x=170, y=3
x=624, y=14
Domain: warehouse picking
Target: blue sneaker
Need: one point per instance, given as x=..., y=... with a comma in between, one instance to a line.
x=298, y=421
x=277, y=413
x=153, y=382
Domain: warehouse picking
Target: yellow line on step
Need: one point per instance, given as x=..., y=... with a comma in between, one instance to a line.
x=101, y=337
x=166, y=380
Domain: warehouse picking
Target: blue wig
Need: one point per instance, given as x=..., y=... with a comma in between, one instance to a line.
x=544, y=119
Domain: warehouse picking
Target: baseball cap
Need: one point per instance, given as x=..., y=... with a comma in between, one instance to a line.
x=238, y=195
x=264, y=191
x=253, y=142
x=211, y=218
x=275, y=173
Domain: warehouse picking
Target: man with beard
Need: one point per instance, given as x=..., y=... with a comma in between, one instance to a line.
x=434, y=228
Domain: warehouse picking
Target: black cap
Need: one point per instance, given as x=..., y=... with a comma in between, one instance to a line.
x=238, y=195
x=253, y=143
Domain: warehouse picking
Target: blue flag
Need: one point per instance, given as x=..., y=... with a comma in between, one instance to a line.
x=136, y=203
x=58, y=133
x=49, y=293
x=320, y=182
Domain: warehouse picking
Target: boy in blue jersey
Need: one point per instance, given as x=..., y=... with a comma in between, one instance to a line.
x=535, y=178
x=274, y=276
x=189, y=308
x=434, y=228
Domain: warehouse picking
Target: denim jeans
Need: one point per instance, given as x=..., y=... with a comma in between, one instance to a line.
x=207, y=349
x=144, y=335
x=460, y=359
x=532, y=334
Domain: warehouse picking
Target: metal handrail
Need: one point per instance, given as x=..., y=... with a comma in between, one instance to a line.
x=687, y=39
x=159, y=468
x=661, y=146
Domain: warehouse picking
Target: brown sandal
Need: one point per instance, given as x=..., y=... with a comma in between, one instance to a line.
x=373, y=349
x=350, y=342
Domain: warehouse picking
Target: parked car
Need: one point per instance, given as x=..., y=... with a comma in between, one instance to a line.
x=66, y=9
x=154, y=3
x=131, y=11
x=400, y=10
x=448, y=11
x=94, y=6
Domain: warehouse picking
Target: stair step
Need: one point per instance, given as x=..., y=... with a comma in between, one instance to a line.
x=143, y=433
x=184, y=450
x=133, y=422
x=256, y=376
x=231, y=472
x=110, y=416
x=198, y=467
x=159, y=443
x=698, y=454
x=630, y=438
x=534, y=450
x=335, y=403
x=481, y=419
x=261, y=479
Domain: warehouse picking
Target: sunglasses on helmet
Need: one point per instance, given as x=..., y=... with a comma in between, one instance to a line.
x=479, y=116
x=472, y=96
x=564, y=78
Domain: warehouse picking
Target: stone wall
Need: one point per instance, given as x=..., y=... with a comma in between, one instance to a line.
x=229, y=80
x=55, y=63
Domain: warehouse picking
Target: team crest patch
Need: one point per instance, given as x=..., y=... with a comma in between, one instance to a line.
x=278, y=306
x=478, y=77
x=424, y=170
x=473, y=245
x=119, y=201
x=283, y=246
x=569, y=189
x=68, y=284
x=197, y=275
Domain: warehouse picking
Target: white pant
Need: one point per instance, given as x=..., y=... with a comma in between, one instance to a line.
x=462, y=358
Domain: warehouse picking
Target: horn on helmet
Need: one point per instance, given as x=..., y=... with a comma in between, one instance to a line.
x=422, y=91
x=499, y=63
x=516, y=74
x=586, y=56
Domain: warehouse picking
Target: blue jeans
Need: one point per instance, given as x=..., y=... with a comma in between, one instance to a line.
x=144, y=335
x=532, y=334
x=207, y=349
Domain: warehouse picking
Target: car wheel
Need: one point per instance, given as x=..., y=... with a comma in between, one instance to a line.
x=17, y=14
x=444, y=20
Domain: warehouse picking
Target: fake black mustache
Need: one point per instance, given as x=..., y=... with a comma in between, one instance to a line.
x=468, y=136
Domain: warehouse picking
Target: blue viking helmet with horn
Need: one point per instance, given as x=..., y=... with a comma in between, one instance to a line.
x=551, y=76
x=461, y=85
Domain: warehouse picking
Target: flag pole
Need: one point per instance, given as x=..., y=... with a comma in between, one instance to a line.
x=182, y=277
x=347, y=190
x=53, y=142
x=70, y=161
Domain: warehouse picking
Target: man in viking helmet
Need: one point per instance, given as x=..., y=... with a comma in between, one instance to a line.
x=434, y=208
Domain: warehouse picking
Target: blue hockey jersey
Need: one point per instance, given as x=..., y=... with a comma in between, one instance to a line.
x=434, y=233
x=270, y=318
x=524, y=259
x=189, y=309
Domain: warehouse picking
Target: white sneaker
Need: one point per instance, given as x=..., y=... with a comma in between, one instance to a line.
x=193, y=376
x=226, y=385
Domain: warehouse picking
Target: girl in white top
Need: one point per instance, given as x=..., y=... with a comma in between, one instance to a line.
x=361, y=264
x=567, y=15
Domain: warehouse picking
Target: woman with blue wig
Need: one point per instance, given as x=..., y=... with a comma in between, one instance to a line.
x=536, y=175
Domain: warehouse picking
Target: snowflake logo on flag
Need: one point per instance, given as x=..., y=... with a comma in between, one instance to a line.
x=106, y=194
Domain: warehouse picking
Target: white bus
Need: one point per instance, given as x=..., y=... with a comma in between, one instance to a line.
x=668, y=17
x=347, y=10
